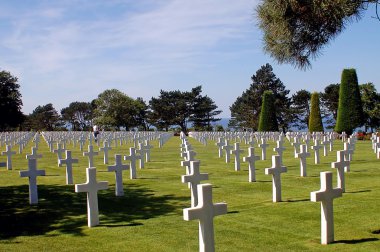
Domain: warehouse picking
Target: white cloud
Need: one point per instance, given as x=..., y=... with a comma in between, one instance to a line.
x=90, y=45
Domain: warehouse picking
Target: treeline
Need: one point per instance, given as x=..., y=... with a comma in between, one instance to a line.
x=111, y=110
x=359, y=108
x=342, y=106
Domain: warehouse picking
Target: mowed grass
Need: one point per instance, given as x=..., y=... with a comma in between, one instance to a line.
x=149, y=217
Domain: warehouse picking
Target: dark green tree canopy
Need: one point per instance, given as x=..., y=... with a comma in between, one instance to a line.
x=245, y=110
x=301, y=108
x=10, y=102
x=45, y=118
x=78, y=114
x=296, y=30
x=179, y=108
x=114, y=109
x=268, y=120
x=315, y=119
x=371, y=106
x=350, y=110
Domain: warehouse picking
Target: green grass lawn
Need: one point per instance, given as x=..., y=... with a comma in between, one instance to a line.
x=149, y=216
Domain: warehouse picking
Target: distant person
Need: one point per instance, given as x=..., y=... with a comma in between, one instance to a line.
x=96, y=132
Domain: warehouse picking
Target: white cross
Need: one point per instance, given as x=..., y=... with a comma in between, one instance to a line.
x=92, y=187
x=90, y=154
x=118, y=168
x=263, y=147
x=9, y=154
x=132, y=159
x=349, y=151
x=106, y=147
x=190, y=157
x=276, y=171
x=34, y=154
x=147, y=147
x=141, y=152
x=220, y=145
x=69, y=161
x=205, y=212
x=194, y=178
x=237, y=152
x=227, y=148
x=296, y=145
x=251, y=158
x=59, y=151
x=50, y=143
x=316, y=148
x=32, y=173
x=81, y=141
x=326, y=195
x=340, y=166
x=325, y=143
x=279, y=149
x=302, y=155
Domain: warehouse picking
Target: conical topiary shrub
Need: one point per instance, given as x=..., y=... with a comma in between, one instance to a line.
x=350, y=110
x=268, y=120
x=315, y=118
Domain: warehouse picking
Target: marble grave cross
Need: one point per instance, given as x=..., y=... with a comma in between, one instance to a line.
x=69, y=161
x=91, y=187
x=90, y=154
x=302, y=155
x=326, y=195
x=32, y=173
x=276, y=171
x=132, y=159
x=237, y=151
x=9, y=153
x=118, y=168
x=205, y=212
x=340, y=165
x=251, y=158
x=194, y=178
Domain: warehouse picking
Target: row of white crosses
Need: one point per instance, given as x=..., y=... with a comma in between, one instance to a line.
x=327, y=193
x=202, y=207
x=91, y=186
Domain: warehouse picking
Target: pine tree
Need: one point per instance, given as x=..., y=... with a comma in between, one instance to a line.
x=268, y=121
x=350, y=110
x=315, y=119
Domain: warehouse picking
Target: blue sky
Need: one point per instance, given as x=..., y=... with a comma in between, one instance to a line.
x=72, y=50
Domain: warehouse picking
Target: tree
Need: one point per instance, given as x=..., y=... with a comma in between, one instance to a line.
x=204, y=112
x=301, y=108
x=45, y=118
x=329, y=104
x=142, y=114
x=114, y=109
x=371, y=106
x=245, y=110
x=10, y=102
x=295, y=30
x=315, y=119
x=78, y=114
x=268, y=120
x=350, y=110
x=179, y=108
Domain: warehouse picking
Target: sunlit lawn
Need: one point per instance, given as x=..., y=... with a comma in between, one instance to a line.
x=149, y=216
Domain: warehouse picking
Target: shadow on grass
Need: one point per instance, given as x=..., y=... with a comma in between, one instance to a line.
x=296, y=200
x=357, y=241
x=63, y=210
x=363, y=191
